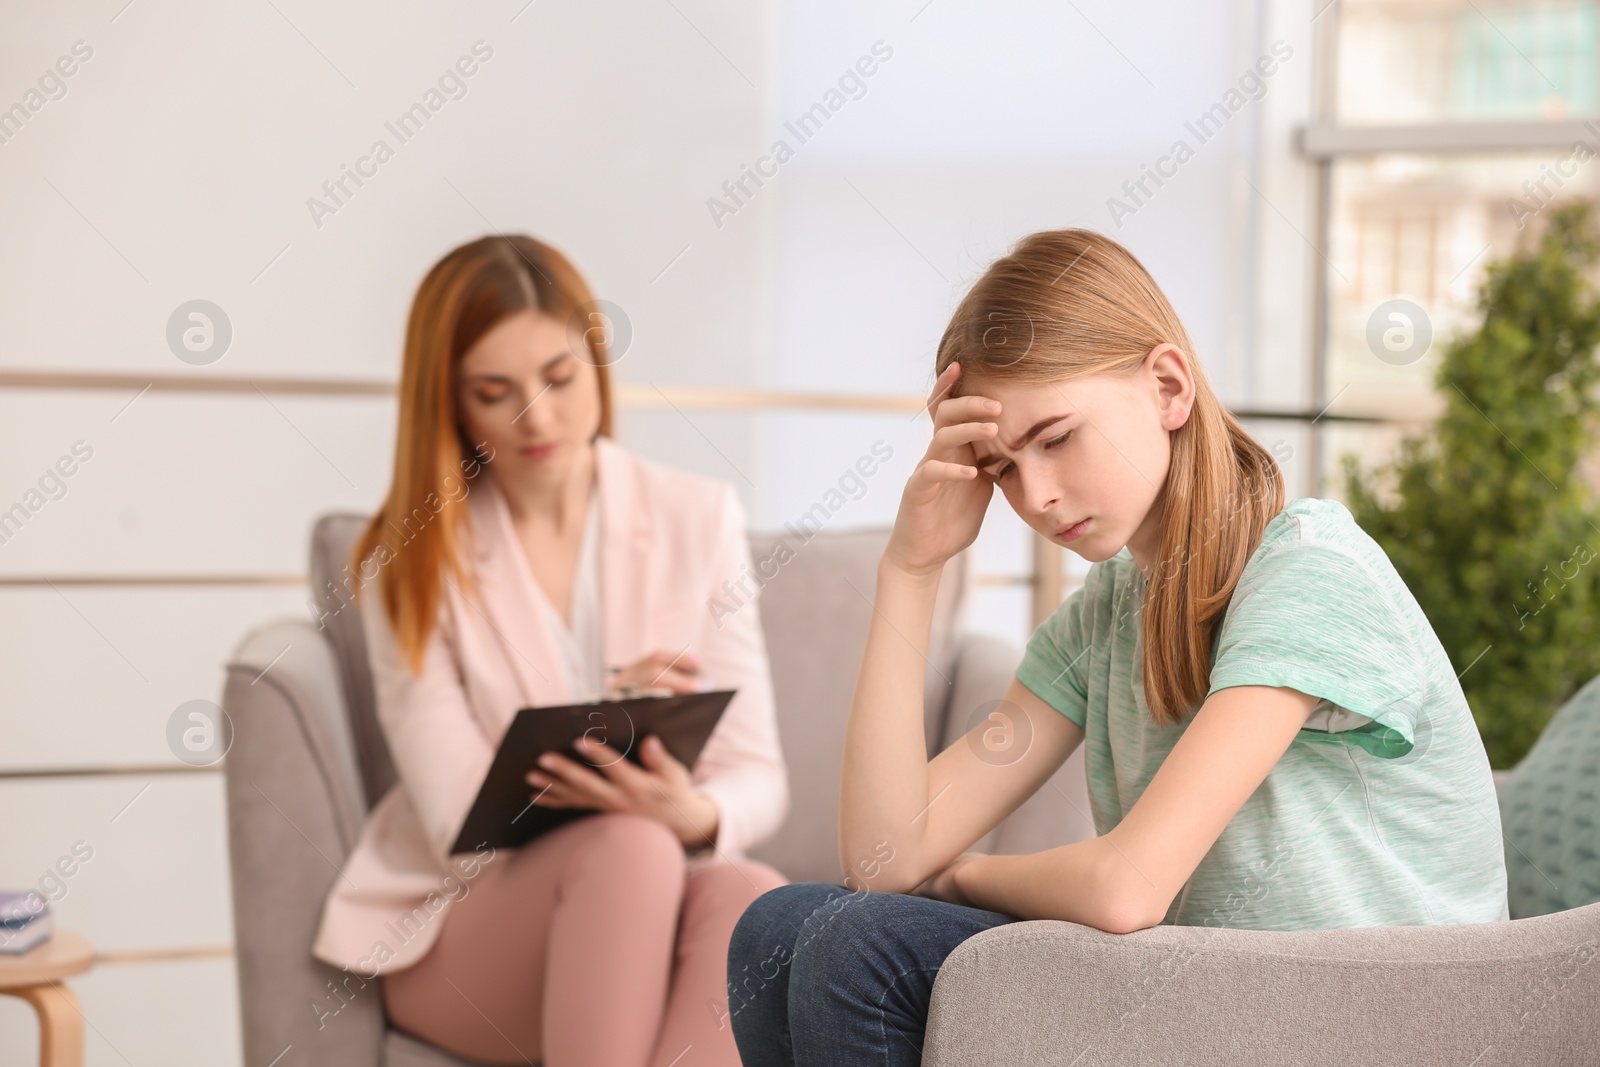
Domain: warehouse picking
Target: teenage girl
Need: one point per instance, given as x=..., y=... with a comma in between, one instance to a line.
x=1276, y=739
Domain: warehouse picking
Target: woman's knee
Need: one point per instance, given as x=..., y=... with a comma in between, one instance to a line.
x=636, y=846
x=745, y=880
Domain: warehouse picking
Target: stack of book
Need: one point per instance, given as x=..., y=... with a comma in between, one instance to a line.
x=24, y=920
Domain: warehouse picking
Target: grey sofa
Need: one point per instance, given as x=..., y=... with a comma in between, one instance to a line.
x=308, y=760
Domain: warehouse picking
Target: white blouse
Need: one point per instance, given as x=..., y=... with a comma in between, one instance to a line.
x=580, y=645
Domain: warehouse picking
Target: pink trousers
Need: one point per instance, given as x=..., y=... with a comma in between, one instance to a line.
x=592, y=945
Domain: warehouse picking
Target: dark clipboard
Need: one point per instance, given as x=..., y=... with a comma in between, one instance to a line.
x=503, y=816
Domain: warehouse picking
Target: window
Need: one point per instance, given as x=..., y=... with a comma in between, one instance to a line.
x=1448, y=127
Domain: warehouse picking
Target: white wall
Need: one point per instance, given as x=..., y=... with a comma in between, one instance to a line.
x=990, y=122
x=178, y=166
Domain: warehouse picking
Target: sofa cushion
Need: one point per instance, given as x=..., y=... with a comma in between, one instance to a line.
x=1550, y=813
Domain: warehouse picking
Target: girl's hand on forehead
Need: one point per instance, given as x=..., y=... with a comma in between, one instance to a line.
x=946, y=497
x=974, y=411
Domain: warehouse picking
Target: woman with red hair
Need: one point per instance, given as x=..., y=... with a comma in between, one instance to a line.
x=524, y=558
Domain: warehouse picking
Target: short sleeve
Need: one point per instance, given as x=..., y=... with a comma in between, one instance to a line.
x=1051, y=663
x=1319, y=619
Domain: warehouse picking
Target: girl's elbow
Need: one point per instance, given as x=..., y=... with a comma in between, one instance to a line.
x=875, y=866
x=1125, y=901
x=1127, y=916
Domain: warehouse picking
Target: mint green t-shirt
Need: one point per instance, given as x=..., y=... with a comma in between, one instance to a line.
x=1382, y=812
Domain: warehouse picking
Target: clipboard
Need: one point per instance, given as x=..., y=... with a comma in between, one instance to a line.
x=503, y=815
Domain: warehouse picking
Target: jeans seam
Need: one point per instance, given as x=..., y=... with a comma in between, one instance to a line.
x=882, y=1026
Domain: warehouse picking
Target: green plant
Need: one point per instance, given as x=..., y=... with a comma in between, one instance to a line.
x=1486, y=517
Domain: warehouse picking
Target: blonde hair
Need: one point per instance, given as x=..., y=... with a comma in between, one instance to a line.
x=463, y=297
x=1068, y=303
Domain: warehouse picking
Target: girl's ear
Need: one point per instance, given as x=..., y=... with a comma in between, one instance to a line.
x=1169, y=367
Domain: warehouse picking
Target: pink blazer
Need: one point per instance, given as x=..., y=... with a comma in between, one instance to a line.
x=668, y=541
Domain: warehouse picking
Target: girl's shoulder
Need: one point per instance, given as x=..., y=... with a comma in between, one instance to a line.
x=1309, y=518
x=1317, y=569
x=1313, y=522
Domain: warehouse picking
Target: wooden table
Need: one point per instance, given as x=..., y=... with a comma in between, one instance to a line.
x=35, y=976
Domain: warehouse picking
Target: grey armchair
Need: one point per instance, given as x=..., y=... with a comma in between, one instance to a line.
x=308, y=760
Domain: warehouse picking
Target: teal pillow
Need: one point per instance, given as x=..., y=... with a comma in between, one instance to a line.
x=1550, y=813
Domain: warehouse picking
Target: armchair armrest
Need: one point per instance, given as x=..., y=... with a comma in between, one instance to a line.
x=1043, y=992
x=295, y=810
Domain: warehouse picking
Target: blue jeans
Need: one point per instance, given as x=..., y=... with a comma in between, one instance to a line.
x=818, y=974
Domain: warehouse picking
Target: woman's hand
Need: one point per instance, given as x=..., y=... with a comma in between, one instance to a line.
x=945, y=499
x=661, y=789
x=942, y=886
x=678, y=672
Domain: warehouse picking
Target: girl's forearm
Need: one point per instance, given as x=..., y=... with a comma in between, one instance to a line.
x=884, y=786
x=1084, y=882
